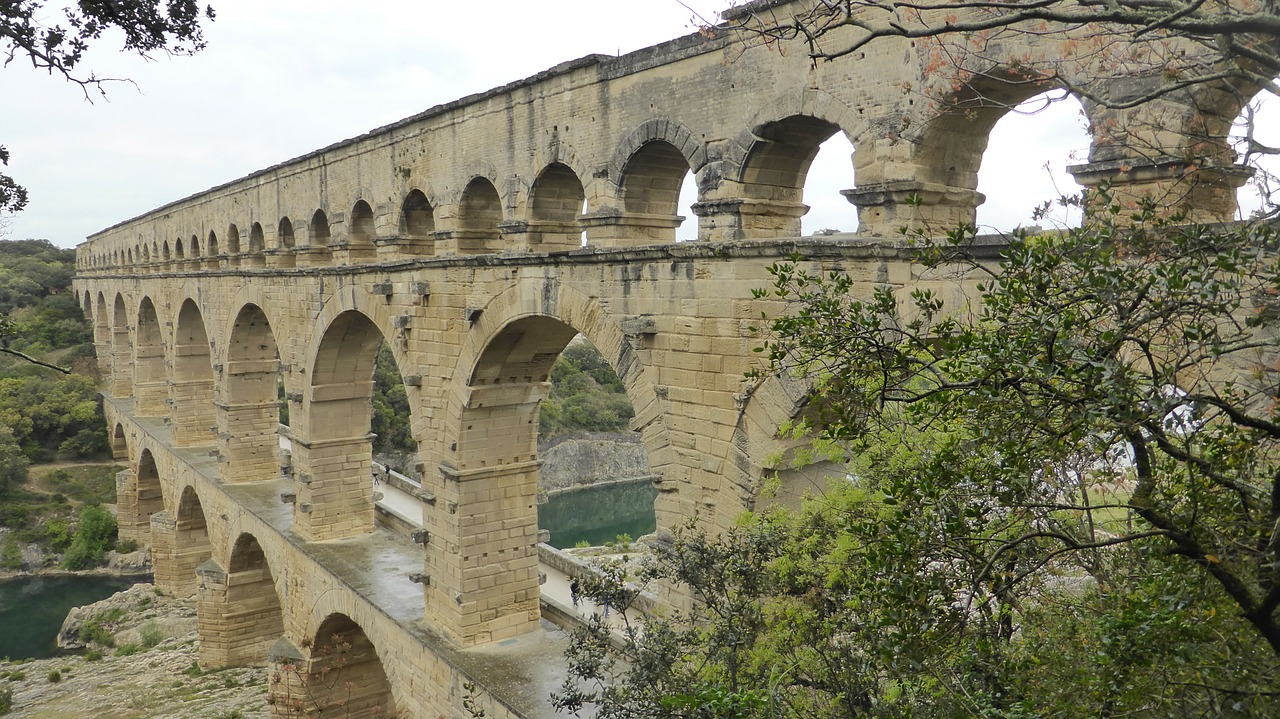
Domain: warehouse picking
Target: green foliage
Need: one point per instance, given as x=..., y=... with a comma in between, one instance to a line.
x=85, y=483
x=126, y=546
x=128, y=650
x=13, y=462
x=51, y=416
x=390, y=408
x=54, y=676
x=1062, y=502
x=10, y=553
x=97, y=629
x=6, y=700
x=150, y=634
x=95, y=534
x=586, y=395
x=93, y=655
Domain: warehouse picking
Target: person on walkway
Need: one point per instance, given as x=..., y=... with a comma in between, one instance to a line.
x=574, y=589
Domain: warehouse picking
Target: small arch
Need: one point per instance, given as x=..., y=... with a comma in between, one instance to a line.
x=164, y=252
x=418, y=223
x=479, y=212
x=362, y=228
x=256, y=242
x=320, y=229
x=211, y=246
x=774, y=172
x=195, y=248
x=556, y=200
x=651, y=183
x=141, y=500
x=284, y=256
x=178, y=249
x=233, y=240
x=119, y=444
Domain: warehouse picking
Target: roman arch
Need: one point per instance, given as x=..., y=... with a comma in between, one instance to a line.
x=476, y=252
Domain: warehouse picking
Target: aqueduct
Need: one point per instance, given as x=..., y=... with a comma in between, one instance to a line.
x=477, y=239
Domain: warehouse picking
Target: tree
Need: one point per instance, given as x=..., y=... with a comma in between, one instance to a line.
x=27, y=33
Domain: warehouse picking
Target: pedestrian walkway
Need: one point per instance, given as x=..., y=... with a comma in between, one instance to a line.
x=555, y=589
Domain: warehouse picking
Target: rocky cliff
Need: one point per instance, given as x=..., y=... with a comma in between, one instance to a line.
x=590, y=458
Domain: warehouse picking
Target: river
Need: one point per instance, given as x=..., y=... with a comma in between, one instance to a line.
x=32, y=608
x=597, y=515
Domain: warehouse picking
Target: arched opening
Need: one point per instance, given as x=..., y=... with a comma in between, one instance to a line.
x=1025, y=165
x=102, y=337
x=360, y=234
x=233, y=246
x=285, y=242
x=774, y=174
x=194, y=247
x=479, y=213
x=138, y=498
x=556, y=200
x=129, y=258
x=1255, y=135
x=318, y=242
x=418, y=223
x=191, y=392
x=150, y=380
x=164, y=252
x=240, y=616
x=146, y=256
x=249, y=410
x=119, y=445
x=497, y=467
x=337, y=498
x=121, y=351
x=211, y=256
x=651, y=185
x=178, y=249
x=829, y=175
x=180, y=545
x=343, y=676
x=257, y=246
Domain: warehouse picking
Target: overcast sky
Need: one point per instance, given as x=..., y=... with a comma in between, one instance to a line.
x=281, y=78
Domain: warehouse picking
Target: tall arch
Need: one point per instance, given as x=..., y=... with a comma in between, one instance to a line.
x=119, y=444
x=121, y=351
x=191, y=390
x=238, y=610
x=150, y=383
x=102, y=337
x=180, y=544
x=479, y=213
x=248, y=413
x=335, y=498
x=555, y=202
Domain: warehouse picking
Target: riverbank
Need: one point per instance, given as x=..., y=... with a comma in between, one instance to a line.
x=149, y=672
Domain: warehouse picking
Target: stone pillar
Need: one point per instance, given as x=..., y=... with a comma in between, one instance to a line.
x=334, y=486
x=484, y=584
x=886, y=208
x=612, y=228
x=1204, y=193
x=194, y=418
x=130, y=523
x=121, y=366
x=151, y=388
x=248, y=441
x=238, y=615
x=748, y=219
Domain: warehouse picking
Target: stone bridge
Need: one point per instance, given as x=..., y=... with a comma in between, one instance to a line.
x=477, y=239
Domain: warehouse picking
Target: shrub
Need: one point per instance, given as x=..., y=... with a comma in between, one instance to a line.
x=128, y=650
x=55, y=676
x=6, y=700
x=10, y=554
x=95, y=533
x=93, y=655
x=151, y=634
x=125, y=546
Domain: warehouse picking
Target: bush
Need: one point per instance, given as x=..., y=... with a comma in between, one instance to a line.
x=55, y=676
x=128, y=650
x=93, y=655
x=6, y=700
x=125, y=546
x=95, y=534
x=150, y=634
x=10, y=554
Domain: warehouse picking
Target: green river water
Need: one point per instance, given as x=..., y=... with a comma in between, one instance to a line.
x=32, y=609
